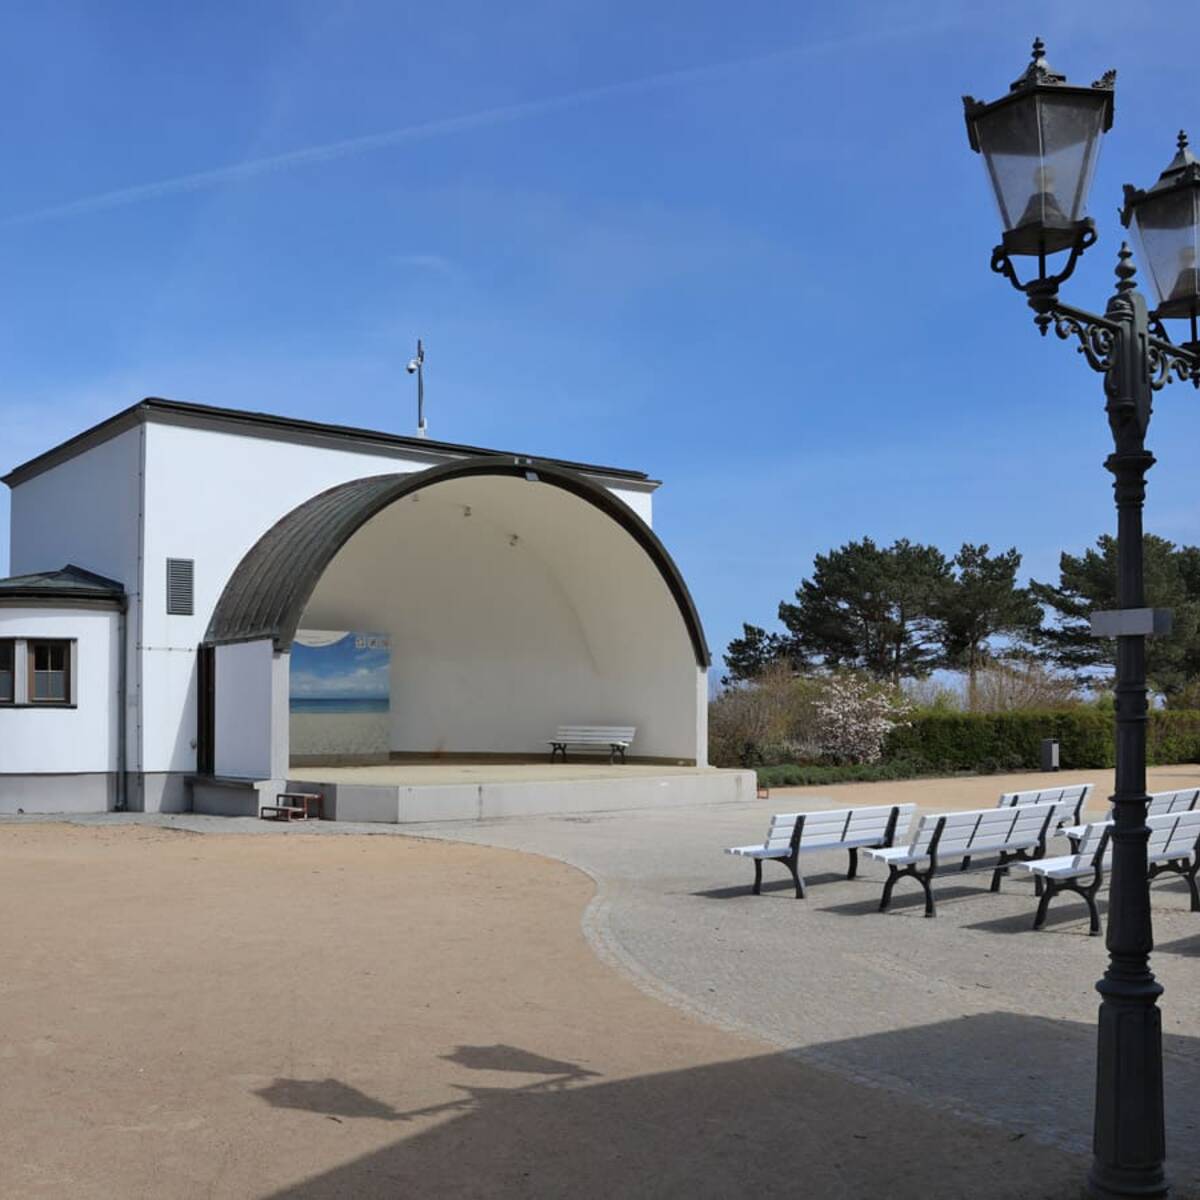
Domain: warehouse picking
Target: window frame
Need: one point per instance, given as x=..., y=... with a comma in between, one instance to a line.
x=10, y=701
x=31, y=697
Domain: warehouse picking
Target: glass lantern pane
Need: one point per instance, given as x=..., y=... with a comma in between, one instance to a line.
x=1168, y=229
x=1070, y=127
x=1011, y=144
x=1041, y=152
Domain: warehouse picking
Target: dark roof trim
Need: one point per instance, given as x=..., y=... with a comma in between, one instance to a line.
x=71, y=585
x=268, y=425
x=270, y=588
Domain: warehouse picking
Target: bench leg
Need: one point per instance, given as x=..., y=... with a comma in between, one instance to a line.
x=1002, y=869
x=757, y=889
x=1048, y=893
x=1181, y=866
x=1087, y=894
x=853, y=872
x=793, y=864
x=999, y=873
x=886, y=898
x=966, y=864
x=924, y=878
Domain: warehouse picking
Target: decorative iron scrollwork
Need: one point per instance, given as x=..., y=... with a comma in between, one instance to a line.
x=1097, y=339
x=1167, y=362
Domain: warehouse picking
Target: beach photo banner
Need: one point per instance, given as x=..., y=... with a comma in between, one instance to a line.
x=339, y=692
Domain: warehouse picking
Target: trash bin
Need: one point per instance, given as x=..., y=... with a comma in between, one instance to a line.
x=1049, y=754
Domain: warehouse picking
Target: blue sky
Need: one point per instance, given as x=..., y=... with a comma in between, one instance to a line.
x=744, y=249
x=342, y=670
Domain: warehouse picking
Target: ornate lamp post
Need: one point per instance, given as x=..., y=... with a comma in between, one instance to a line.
x=1040, y=144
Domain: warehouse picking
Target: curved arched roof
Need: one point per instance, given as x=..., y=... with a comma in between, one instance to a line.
x=270, y=588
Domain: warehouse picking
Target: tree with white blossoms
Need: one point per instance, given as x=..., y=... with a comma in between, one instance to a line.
x=854, y=717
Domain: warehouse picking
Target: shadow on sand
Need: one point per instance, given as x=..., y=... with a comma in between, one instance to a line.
x=772, y=1125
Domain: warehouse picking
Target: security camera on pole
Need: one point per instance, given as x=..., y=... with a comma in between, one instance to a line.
x=416, y=366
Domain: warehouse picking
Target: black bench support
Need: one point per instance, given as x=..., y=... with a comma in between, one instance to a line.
x=1086, y=890
x=1181, y=866
x=924, y=878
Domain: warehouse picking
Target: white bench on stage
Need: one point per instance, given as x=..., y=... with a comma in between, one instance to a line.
x=1014, y=833
x=1174, y=847
x=852, y=829
x=1160, y=804
x=616, y=739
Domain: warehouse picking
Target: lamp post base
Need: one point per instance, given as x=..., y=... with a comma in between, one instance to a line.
x=1129, y=1145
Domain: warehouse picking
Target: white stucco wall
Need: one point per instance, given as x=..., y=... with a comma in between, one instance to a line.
x=77, y=740
x=208, y=495
x=83, y=511
x=495, y=642
x=251, y=711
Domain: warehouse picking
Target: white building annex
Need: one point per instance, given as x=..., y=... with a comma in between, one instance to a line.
x=165, y=562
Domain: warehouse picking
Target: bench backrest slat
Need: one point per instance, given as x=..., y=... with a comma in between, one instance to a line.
x=1072, y=798
x=1162, y=803
x=580, y=732
x=1173, y=835
x=833, y=827
x=983, y=830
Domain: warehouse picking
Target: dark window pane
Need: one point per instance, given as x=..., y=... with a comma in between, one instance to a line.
x=49, y=685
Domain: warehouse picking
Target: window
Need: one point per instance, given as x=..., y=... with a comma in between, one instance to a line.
x=49, y=672
x=180, y=586
x=8, y=671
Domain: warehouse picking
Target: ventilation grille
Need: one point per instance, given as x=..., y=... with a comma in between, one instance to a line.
x=180, y=591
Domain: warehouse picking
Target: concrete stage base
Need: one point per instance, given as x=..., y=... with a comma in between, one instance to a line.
x=399, y=793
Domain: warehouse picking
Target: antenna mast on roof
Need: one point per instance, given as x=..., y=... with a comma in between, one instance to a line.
x=416, y=366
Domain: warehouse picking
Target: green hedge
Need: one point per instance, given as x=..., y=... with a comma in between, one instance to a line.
x=1011, y=741
x=1173, y=737
x=799, y=775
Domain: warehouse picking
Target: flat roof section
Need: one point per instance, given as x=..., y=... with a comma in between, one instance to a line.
x=278, y=428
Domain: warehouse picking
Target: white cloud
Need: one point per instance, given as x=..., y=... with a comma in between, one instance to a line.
x=365, y=682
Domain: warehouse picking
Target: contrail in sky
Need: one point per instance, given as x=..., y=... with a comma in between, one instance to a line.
x=502, y=115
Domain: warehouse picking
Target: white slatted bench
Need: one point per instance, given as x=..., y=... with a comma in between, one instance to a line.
x=1161, y=804
x=1014, y=834
x=1174, y=847
x=1076, y=792
x=1070, y=800
x=616, y=739
x=852, y=829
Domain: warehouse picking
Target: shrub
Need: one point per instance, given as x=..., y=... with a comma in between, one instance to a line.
x=810, y=775
x=769, y=720
x=1173, y=737
x=854, y=718
x=1011, y=741
x=1004, y=741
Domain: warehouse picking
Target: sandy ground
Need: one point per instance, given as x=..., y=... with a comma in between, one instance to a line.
x=304, y=1016
x=982, y=791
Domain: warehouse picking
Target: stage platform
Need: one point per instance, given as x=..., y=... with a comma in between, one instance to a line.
x=433, y=790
